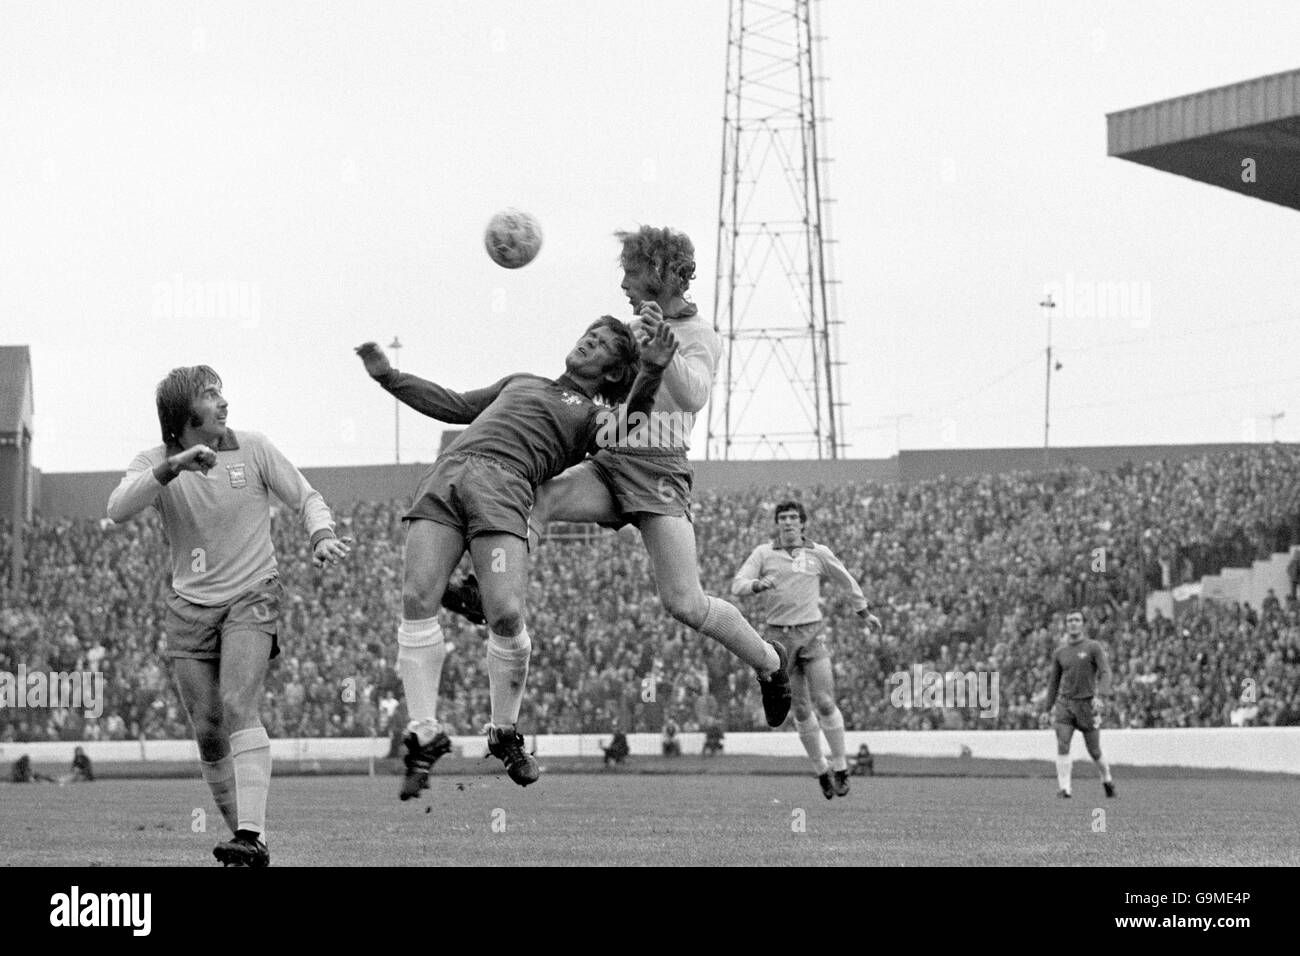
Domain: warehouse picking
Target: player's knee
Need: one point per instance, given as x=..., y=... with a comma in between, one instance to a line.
x=419, y=601
x=684, y=604
x=210, y=736
x=1094, y=753
x=802, y=712
x=825, y=706
x=239, y=707
x=508, y=622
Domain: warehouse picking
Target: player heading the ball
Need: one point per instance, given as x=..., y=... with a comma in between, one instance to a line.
x=522, y=430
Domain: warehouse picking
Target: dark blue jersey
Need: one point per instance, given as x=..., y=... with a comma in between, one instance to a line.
x=1078, y=670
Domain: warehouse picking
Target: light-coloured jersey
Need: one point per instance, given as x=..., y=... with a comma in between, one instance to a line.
x=687, y=381
x=218, y=525
x=798, y=574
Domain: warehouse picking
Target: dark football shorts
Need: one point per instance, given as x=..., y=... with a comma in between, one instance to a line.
x=803, y=643
x=475, y=495
x=197, y=631
x=1077, y=713
x=644, y=482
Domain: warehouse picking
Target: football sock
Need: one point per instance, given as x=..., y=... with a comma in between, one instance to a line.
x=507, y=667
x=810, y=735
x=420, y=653
x=1063, y=765
x=728, y=627
x=833, y=727
x=251, y=751
x=1105, y=770
x=220, y=778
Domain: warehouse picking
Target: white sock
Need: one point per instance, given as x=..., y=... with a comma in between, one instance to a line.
x=507, y=667
x=728, y=627
x=1105, y=770
x=250, y=749
x=1063, y=765
x=810, y=735
x=420, y=653
x=219, y=775
x=833, y=727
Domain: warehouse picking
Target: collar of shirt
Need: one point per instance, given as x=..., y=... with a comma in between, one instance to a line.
x=803, y=543
x=565, y=382
x=227, y=442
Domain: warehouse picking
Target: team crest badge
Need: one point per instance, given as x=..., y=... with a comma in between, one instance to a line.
x=571, y=399
x=237, y=477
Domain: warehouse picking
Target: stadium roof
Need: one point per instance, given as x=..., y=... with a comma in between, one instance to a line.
x=1207, y=136
x=15, y=388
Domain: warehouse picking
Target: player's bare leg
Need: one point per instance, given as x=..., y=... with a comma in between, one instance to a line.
x=821, y=688
x=1064, y=734
x=670, y=542
x=197, y=683
x=432, y=552
x=809, y=730
x=577, y=495
x=1092, y=740
x=245, y=654
x=501, y=563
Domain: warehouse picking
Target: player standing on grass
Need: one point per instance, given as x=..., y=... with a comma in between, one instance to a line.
x=647, y=483
x=1080, y=672
x=211, y=488
x=789, y=571
x=522, y=431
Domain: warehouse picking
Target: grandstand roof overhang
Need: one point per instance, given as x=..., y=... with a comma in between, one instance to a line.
x=1209, y=136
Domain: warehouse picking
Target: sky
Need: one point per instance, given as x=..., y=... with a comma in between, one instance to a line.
x=328, y=168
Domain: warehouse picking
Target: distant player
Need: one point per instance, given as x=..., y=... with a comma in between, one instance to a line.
x=789, y=570
x=521, y=431
x=647, y=483
x=212, y=488
x=1080, y=672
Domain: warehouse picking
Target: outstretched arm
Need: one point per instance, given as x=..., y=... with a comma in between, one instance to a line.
x=427, y=398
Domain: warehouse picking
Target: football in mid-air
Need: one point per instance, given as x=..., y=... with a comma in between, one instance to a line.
x=512, y=238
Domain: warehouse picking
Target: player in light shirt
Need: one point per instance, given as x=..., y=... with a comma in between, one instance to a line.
x=212, y=488
x=788, y=572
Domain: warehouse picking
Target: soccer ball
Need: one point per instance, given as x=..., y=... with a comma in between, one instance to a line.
x=513, y=238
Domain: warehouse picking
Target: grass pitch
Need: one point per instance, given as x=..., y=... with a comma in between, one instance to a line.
x=626, y=817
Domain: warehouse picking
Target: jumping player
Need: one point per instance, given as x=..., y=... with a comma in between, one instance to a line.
x=1079, y=673
x=212, y=488
x=647, y=481
x=521, y=431
x=789, y=571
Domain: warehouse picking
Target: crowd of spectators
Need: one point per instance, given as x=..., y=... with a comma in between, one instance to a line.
x=970, y=574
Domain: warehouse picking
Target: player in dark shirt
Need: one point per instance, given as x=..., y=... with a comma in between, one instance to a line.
x=522, y=431
x=1080, y=672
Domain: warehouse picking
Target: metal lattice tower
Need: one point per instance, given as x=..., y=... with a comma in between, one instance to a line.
x=774, y=292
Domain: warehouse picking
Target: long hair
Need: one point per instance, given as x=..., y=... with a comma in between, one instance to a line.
x=628, y=354
x=667, y=253
x=176, y=395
